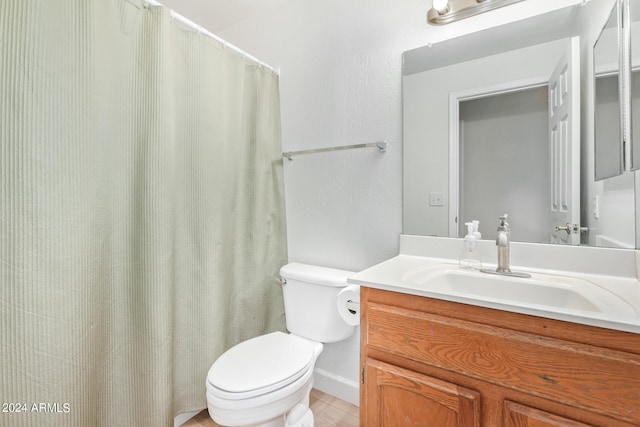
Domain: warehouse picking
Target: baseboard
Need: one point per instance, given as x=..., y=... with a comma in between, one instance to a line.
x=337, y=386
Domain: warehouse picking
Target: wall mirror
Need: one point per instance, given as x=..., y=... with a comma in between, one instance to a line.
x=503, y=121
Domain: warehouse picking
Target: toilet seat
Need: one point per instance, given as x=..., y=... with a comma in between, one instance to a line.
x=260, y=365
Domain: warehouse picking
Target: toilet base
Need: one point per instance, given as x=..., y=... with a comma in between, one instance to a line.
x=306, y=421
x=294, y=410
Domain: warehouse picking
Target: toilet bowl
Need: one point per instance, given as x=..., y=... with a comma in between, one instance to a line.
x=265, y=381
x=260, y=381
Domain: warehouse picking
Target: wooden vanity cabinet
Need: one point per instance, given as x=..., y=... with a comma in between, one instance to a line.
x=429, y=362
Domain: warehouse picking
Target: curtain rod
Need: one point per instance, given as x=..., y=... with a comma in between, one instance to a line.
x=200, y=29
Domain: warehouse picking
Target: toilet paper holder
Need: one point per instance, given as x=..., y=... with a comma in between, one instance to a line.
x=353, y=306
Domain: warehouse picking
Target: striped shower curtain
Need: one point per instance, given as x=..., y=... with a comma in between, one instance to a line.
x=141, y=211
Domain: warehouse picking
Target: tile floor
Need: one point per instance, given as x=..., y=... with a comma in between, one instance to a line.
x=328, y=411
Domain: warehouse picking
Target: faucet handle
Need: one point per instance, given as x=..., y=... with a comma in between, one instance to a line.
x=503, y=225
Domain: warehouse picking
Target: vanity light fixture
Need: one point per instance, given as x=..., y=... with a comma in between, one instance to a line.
x=440, y=6
x=446, y=11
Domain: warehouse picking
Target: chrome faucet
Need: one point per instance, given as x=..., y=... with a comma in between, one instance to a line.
x=503, y=244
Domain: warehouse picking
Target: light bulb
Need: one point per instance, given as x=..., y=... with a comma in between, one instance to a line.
x=441, y=6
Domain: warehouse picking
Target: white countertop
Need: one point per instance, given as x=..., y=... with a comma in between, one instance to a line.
x=418, y=253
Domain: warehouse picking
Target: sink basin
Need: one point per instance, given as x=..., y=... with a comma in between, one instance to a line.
x=542, y=291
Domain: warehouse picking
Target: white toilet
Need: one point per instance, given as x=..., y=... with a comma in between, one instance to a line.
x=265, y=381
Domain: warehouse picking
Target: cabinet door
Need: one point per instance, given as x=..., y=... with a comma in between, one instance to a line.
x=517, y=415
x=403, y=398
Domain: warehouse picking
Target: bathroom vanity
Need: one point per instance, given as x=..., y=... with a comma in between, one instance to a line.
x=436, y=356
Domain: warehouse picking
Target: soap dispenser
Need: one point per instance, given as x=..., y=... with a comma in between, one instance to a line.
x=470, y=256
x=476, y=231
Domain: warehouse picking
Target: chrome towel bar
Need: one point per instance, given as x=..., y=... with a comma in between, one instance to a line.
x=382, y=146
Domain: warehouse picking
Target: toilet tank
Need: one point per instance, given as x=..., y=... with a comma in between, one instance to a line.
x=310, y=302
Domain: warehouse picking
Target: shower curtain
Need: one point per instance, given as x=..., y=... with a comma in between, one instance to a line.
x=141, y=211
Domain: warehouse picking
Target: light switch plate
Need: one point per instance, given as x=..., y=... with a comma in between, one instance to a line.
x=436, y=199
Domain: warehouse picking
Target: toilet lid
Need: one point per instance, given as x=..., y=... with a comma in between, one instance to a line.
x=265, y=363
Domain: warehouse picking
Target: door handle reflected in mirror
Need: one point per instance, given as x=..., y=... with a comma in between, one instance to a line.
x=575, y=228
